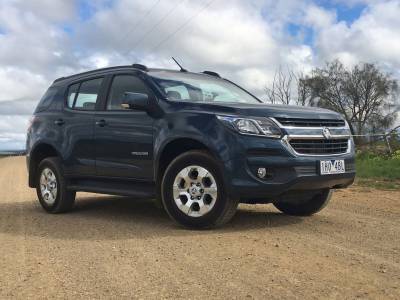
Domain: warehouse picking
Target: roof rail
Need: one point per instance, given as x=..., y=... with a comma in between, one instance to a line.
x=91, y=72
x=140, y=67
x=215, y=74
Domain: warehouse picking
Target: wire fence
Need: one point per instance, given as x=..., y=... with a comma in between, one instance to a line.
x=385, y=143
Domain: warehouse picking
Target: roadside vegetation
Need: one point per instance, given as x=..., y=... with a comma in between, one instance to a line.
x=378, y=170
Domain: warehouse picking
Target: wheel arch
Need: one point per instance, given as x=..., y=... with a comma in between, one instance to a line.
x=174, y=148
x=37, y=154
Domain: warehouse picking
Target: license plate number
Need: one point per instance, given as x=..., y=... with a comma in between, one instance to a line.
x=332, y=166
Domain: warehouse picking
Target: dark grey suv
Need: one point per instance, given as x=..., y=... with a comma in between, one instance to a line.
x=195, y=141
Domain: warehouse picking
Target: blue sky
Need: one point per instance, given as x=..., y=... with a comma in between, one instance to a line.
x=246, y=41
x=344, y=13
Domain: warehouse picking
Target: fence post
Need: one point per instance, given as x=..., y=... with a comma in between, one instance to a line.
x=388, y=143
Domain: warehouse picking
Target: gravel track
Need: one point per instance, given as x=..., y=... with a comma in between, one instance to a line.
x=126, y=248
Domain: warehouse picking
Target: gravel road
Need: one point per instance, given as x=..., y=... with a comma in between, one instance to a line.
x=125, y=248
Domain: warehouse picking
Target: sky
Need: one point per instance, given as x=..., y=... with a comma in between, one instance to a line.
x=245, y=41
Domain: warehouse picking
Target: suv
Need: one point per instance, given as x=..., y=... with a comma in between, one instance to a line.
x=198, y=143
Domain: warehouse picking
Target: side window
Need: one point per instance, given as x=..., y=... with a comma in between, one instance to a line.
x=87, y=94
x=217, y=93
x=120, y=85
x=178, y=92
x=72, y=90
x=45, y=102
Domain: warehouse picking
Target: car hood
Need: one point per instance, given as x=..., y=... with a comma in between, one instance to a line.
x=265, y=110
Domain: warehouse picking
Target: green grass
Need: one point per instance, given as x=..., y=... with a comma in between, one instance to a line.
x=379, y=171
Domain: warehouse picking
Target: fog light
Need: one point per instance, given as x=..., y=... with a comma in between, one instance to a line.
x=261, y=172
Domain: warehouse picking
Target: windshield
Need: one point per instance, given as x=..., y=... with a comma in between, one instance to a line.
x=199, y=88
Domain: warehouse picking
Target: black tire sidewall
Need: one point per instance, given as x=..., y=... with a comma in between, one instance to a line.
x=203, y=160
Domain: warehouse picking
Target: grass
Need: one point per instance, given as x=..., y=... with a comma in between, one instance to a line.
x=379, y=171
x=380, y=184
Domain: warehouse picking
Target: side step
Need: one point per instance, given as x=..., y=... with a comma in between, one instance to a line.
x=142, y=190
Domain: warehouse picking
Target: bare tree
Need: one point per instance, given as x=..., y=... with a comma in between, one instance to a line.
x=280, y=91
x=361, y=94
x=289, y=88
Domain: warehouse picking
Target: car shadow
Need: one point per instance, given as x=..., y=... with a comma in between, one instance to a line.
x=114, y=218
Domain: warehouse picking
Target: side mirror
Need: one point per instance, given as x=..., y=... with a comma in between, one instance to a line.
x=135, y=101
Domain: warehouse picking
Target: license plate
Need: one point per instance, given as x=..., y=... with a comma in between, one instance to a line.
x=335, y=166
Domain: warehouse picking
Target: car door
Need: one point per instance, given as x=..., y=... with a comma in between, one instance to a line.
x=77, y=123
x=124, y=137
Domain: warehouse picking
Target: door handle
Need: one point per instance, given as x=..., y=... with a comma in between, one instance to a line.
x=101, y=123
x=59, y=122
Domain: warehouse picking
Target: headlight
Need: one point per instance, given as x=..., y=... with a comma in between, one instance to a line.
x=253, y=126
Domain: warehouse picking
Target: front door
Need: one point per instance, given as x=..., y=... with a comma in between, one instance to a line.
x=124, y=137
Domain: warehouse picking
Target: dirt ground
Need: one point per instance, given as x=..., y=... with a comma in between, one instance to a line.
x=125, y=248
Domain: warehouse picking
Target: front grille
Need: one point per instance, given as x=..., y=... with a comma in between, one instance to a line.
x=297, y=122
x=319, y=146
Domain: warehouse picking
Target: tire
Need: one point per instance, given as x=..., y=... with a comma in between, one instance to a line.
x=306, y=207
x=53, y=201
x=210, y=207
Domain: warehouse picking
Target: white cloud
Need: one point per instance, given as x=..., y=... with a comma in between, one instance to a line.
x=233, y=40
x=50, y=10
x=245, y=41
x=318, y=17
x=17, y=83
x=373, y=37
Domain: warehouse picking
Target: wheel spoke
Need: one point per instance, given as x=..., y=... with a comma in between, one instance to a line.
x=203, y=208
x=52, y=177
x=212, y=191
x=177, y=190
x=186, y=207
x=202, y=174
x=42, y=179
x=184, y=174
x=53, y=193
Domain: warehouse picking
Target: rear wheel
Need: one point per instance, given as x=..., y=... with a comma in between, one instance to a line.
x=193, y=191
x=51, y=188
x=305, y=207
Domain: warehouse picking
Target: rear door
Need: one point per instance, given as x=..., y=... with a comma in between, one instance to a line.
x=124, y=137
x=77, y=123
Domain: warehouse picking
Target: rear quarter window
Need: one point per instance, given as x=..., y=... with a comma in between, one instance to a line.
x=84, y=95
x=47, y=99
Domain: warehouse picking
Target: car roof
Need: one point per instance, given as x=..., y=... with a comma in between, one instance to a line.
x=134, y=67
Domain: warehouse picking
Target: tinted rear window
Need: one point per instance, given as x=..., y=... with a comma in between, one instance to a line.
x=47, y=98
x=83, y=96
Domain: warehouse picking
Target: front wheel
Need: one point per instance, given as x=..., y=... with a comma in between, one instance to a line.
x=305, y=207
x=193, y=192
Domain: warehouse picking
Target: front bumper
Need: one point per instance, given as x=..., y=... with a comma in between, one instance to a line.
x=285, y=174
